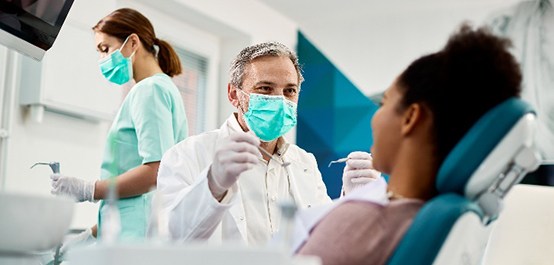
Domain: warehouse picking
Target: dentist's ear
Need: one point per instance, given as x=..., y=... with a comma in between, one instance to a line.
x=232, y=95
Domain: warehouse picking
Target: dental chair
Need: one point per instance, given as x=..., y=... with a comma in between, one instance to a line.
x=495, y=154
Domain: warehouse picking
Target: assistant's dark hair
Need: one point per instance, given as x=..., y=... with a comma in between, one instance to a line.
x=125, y=21
x=473, y=73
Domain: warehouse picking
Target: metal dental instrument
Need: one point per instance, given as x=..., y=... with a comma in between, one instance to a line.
x=282, y=163
x=55, y=166
x=341, y=160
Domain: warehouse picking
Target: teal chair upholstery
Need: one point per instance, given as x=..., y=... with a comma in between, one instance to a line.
x=494, y=155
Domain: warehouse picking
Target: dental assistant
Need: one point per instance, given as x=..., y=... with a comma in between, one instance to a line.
x=150, y=120
x=219, y=186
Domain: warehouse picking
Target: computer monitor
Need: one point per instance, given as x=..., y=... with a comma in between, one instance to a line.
x=31, y=26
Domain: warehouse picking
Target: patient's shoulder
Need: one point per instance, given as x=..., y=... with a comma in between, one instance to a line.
x=376, y=216
x=361, y=232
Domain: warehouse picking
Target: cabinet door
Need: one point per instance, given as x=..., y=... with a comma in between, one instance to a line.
x=68, y=79
x=71, y=76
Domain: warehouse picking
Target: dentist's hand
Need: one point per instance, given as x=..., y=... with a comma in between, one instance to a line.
x=80, y=190
x=358, y=171
x=236, y=154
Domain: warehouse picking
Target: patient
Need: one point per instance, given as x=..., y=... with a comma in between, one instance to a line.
x=424, y=113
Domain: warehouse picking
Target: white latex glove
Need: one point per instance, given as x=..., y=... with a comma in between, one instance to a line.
x=236, y=154
x=358, y=171
x=84, y=238
x=79, y=189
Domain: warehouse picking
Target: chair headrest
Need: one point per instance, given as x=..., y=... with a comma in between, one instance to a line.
x=474, y=150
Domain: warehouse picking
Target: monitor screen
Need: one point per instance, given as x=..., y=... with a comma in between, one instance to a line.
x=36, y=22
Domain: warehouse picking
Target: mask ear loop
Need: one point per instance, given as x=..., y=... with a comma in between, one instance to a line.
x=244, y=112
x=123, y=45
x=240, y=108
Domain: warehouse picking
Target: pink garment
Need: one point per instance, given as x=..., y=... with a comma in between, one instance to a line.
x=361, y=232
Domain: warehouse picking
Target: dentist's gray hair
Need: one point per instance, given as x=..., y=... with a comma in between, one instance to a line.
x=250, y=53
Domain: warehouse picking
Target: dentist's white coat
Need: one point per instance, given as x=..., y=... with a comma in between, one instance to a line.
x=192, y=211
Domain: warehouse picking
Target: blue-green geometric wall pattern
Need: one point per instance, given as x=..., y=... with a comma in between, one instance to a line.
x=333, y=115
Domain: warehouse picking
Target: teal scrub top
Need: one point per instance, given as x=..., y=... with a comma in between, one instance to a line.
x=150, y=121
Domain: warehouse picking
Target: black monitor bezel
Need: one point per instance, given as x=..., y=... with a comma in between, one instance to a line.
x=35, y=31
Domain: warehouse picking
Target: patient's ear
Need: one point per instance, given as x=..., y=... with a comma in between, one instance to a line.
x=414, y=115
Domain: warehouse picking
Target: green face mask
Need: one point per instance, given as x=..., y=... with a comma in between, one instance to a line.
x=268, y=116
x=117, y=68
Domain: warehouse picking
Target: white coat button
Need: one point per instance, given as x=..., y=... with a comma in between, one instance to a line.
x=273, y=198
x=241, y=218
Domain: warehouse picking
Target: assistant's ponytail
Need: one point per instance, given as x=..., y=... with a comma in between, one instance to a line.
x=167, y=58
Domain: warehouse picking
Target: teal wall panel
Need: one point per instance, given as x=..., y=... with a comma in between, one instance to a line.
x=334, y=116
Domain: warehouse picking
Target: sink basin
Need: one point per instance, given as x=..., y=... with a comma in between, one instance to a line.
x=30, y=223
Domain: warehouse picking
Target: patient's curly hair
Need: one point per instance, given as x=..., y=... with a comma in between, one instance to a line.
x=473, y=73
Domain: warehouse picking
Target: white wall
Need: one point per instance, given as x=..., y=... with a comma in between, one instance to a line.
x=372, y=41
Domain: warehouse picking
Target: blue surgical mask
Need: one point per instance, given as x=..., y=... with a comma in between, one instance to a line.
x=268, y=116
x=117, y=68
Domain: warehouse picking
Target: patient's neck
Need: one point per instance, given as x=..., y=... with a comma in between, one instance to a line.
x=413, y=175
